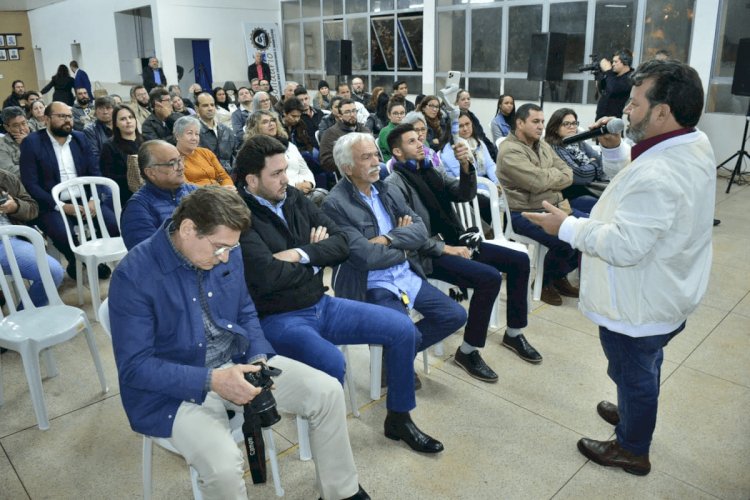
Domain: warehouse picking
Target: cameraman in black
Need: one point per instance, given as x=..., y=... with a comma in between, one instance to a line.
x=185, y=334
x=614, y=86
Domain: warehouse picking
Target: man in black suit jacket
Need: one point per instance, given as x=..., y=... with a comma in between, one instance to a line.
x=51, y=156
x=153, y=75
x=259, y=69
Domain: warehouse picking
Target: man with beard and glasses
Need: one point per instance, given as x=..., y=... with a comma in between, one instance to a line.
x=646, y=249
x=54, y=155
x=83, y=110
x=347, y=124
x=139, y=104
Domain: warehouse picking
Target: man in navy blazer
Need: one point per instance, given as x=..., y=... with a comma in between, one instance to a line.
x=53, y=155
x=153, y=75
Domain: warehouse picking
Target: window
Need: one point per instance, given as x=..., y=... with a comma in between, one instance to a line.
x=486, y=39
x=614, y=26
x=668, y=26
x=522, y=22
x=450, y=40
x=292, y=47
x=733, y=23
x=570, y=18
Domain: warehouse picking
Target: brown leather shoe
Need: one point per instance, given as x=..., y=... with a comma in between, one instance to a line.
x=611, y=454
x=608, y=411
x=550, y=296
x=565, y=288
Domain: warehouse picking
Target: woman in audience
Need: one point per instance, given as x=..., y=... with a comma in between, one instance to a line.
x=178, y=106
x=463, y=101
x=322, y=99
x=438, y=124
x=262, y=102
x=396, y=113
x=372, y=104
x=379, y=118
x=201, y=165
x=298, y=173
x=224, y=108
x=581, y=157
x=125, y=141
x=63, y=84
x=117, y=99
x=37, y=120
x=505, y=117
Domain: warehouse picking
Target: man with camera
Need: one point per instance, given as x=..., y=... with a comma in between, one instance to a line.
x=615, y=84
x=458, y=258
x=186, y=334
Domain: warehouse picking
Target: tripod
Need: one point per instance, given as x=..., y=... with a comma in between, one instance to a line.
x=740, y=154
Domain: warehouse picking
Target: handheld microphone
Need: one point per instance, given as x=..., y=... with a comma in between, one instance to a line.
x=612, y=127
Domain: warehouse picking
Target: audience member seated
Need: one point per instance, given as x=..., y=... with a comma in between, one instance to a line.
x=322, y=99
x=163, y=171
x=438, y=123
x=37, y=120
x=372, y=103
x=16, y=130
x=401, y=88
x=159, y=123
x=100, y=130
x=224, y=107
x=178, y=105
x=262, y=101
x=20, y=208
x=215, y=136
x=63, y=84
x=83, y=110
x=531, y=172
x=331, y=118
x=52, y=156
x=346, y=124
x=396, y=113
x=344, y=92
x=117, y=99
x=240, y=115
x=155, y=330
x=446, y=257
x=585, y=162
x=18, y=89
x=293, y=114
x=139, y=103
x=505, y=116
x=359, y=92
x=288, y=245
x=201, y=165
x=311, y=117
x=174, y=90
x=463, y=101
x=117, y=151
x=379, y=117
x=418, y=121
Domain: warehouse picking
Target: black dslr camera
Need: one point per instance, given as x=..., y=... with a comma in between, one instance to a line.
x=260, y=412
x=593, y=66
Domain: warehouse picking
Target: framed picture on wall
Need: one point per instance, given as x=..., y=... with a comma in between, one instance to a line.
x=10, y=40
x=13, y=54
x=2, y=40
x=3, y=55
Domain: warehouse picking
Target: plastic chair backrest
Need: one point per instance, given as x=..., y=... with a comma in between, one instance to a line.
x=470, y=215
x=16, y=284
x=99, y=189
x=509, y=233
x=499, y=141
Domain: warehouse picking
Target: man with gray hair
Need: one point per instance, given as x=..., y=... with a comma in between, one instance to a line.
x=16, y=128
x=100, y=130
x=385, y=237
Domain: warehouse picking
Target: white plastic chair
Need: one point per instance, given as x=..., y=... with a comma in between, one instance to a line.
x=90, y=249
x=537, y=251
x=34, y=330
x=235, y=423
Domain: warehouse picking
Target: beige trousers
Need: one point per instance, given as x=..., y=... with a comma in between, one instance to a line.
x=202, y=435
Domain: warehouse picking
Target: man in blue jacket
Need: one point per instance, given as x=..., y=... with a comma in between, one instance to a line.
x=54, y=155
x=185, y=332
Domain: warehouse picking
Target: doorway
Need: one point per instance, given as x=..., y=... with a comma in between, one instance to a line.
x=194, y=56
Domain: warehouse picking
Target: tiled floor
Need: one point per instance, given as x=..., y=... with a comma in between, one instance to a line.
x=514, y=439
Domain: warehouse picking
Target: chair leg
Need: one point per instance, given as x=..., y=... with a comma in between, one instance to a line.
x=439, y=349
x=96, y=299
x=303, y=435
x=271, y=450
x=349, y=382
x=31, y=367
x=541, y=253
x=376, y=370
x=426, y=361
x=94, y=352
x=147, y=458
x=50, y=367
x=79, y=281
x=2, y=397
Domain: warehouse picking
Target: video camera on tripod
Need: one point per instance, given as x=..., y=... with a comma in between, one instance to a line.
x=260, y=412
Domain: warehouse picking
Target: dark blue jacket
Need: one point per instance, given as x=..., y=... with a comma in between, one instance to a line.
x=147, y=209
x=39, y=169
x=158, y=334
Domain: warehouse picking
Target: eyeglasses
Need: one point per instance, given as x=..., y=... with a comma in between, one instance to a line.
x=221, y=250
x=174, y=164
x=398, y=113
x=433, y=106
x=62, y=116
x=166, y=99
x=570, y=124
x=349, y=112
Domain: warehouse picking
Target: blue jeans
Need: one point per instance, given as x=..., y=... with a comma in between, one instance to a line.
x=561, y=258
x=26, y=259
x=485, y=274
x=441, y=315
x=635, y=367
x=311, y=335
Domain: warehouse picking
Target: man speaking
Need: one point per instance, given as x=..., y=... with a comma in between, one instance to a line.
x=646, y=249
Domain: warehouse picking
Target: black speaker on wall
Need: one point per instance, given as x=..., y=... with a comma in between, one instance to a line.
x=741, y=82
x=338, y=57
x=547, y=58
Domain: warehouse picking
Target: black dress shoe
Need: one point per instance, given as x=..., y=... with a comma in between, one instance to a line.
x=399, y=426
x=475, y=365
x=104, y=271
x=361, y=494
x=717, y=222
x=611, y=454
x=608, y=411
x=521, y=346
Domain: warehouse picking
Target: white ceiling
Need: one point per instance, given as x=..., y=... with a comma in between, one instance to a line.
x=25, y=4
